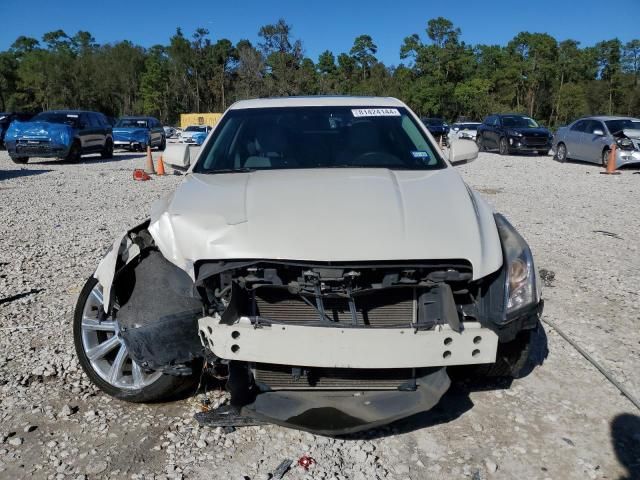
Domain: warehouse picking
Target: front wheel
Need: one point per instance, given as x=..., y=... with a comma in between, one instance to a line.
x=20, y=160
x=480, y=143
x=105, y=359
x=75, y=153
x=561, y=153
x=163, y=144
x=503, y=146
x=605, y=157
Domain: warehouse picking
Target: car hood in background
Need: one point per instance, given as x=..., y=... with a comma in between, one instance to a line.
x=129, y=132
x=531, y=132
x=58, y=133
x=327, y=215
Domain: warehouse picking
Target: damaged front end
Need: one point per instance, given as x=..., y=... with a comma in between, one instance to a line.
x=328, y=347
x=628, y=146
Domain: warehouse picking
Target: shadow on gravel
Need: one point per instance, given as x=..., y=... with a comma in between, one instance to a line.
x=18, y=296
x=9, y=174
x=625, y=437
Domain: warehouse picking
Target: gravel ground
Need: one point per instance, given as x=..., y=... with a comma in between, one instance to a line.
x=563, y=421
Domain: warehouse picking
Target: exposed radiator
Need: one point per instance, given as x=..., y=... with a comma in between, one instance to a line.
x=384, y=308
x=280, y=377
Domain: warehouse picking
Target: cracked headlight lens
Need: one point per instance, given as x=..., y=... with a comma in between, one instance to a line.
x=521, y=282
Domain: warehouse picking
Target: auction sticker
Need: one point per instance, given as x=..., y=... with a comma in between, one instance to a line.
x=375, y=112
x=420, y=154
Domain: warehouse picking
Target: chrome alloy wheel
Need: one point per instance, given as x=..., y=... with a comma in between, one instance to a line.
x=105, y=350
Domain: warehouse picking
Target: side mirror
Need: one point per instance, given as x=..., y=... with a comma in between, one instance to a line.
x=180, y=155
x=462, y=151
x=598, y=132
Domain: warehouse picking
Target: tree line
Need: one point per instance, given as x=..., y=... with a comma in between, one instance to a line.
x=440, y=74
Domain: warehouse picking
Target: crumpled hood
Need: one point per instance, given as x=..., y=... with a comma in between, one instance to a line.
x=126, y=133
x=54, y=132
x=327, y=215
x=631, y=133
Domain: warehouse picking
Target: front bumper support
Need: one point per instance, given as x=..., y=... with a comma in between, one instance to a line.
x=337, y=347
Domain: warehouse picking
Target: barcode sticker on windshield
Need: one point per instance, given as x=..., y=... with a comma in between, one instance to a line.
x=375, y=112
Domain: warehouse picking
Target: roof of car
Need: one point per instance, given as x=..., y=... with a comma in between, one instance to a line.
x=318, y=101
x=608, y=117
x=136, y=117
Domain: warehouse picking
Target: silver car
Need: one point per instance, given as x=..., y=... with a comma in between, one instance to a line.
x=590, y=139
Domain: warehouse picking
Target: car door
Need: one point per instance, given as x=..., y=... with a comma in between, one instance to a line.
x=99, y=131
x=594, y=141
x=483, y=131
x=493, y=132
x=156, y=132
x=573, y=139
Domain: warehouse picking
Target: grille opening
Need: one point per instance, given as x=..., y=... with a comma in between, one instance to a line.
x=281, y=377
x=379, y=309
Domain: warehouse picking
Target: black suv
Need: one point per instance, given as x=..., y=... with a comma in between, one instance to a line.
x=437, y=127
x=510, y=133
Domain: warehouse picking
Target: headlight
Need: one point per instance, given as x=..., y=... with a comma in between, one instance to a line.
x=625, y=143
x=521, y=282
x=513, y=133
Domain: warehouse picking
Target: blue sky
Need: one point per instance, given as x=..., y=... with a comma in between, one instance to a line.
x=321, y=25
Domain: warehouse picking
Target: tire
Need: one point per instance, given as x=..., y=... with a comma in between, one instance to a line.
x=20, y=160
x=107, y=151
x=128, y=382
x=163, y=144
x=480, y=143
x=605, y=157
x=75, y=153
x=503, y=146
x=561, y=152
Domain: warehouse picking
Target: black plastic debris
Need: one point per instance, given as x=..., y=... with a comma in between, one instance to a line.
x=226, y=416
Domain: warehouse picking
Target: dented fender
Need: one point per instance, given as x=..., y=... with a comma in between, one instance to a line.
x=122, y=251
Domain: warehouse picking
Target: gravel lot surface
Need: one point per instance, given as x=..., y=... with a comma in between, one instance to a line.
x=563, y=421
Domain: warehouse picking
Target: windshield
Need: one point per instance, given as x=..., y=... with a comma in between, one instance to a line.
x=195, y=128
x=51, y=117
x=616, y=126
x=318, y=137
x=131, y=123
x=519, y=121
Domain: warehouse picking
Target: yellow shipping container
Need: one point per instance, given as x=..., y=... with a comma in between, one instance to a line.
x=210, y=119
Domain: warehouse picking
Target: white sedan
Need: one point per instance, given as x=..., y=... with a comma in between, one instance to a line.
x=326, y=258
x=193, y=132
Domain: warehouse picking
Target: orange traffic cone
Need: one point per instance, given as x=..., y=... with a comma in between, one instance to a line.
x=611, y=162
x=160, y=166
x=149, y=165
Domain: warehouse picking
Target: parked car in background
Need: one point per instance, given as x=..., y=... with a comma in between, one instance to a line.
x=512, y=133
x=136, y=133
x=589, y=139
x=465, y=130
x=5, y=120
x=327, y=253
x=169, y=132
x=438, y=128
x=63, y=134
x=196, y=131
